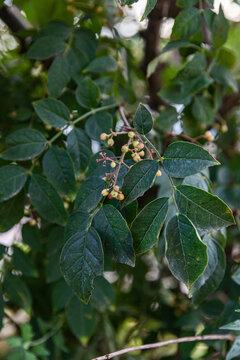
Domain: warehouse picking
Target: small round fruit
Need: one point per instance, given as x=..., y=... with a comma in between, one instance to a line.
x=105, y=192
x=135, y=143
x=141, y=153
x=124, y=149
x=116, y=188
x=32, y=222
x=140, y=146
x=131, y=134
x=103, y=136
x=159, y=173
x=208, y=136
x=26, y=212
x=48, y=127
x=110, y=142
x=120, y=197
x=114, y=194
x=113, y=164
x=136, y=158
x=224, y=128
x=66, y=205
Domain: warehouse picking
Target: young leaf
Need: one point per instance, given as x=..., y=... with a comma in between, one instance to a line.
x=58, y=168
x=187, y=23
x=53, y=112
x=139, y=179
x=79, y=148
x=149, y=7
x=12, y=180
x=183, y=159
x=142, y=120
x=46, y=200
x=81, y=319
x=45, y=47
x=115, y=234
x=89, y=194
x=206, y=211
x=148, y=223
x=98, y=123
x=58, y=76
x=18, y=292
x=81, y=261
x=11, y=211
x=213, y=275
x=88, y=94
x=24, y=144
x=185, y=252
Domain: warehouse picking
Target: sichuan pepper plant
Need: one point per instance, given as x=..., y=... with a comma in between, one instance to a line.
x=103, y=181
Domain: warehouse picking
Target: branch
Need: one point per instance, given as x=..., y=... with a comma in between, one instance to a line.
x=13, y=18
x=168, y=342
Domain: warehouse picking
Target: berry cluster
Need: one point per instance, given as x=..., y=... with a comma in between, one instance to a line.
x=115, y=193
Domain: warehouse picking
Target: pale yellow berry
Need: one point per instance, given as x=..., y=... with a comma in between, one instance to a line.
x=66, y=205
x=105, y=192
x=141, y=153
x=120, y=197
x=140, y=146
x=116, y=188
x=114, y=194
x=224, y=128
x=159, y=173
x=113, y=164
x=32, y=222
x=103, y=136
x=124, y=149
x=110, y=142
x=26, y=212
x=48, y=127
x=135, y=143
x=208, y=136
x=136, y=158
x=131, y=134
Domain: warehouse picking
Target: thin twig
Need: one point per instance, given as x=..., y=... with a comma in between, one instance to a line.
x=168, y=342
x=123, y=116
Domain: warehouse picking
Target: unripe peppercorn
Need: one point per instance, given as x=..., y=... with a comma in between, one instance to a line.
x=116, y=188
x=208, y=136
x=32, y=222
x=135, y=143
x=66, y=205
x=131, y=134
x=103, y=136
x=140, y=146
x=159, y=173
x=105, y=192
x=110, y=142
x=224, y=128
x=113, y=164
x=114, y=194
x=26, y=212
x=136, y=158
x=141, y=153
x=48, y=127
x=120, y=197
x=124, y=149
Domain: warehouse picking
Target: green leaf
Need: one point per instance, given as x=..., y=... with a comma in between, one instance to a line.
x=128, y=2
x=182, y=159
x=218, y=25
x=202, y=110
x=235, y=326
x=23, y=262
x=142, y=120
x=224, y=76
x=85, y=40
x=2, y=251
x=77, y=222
x=167, y=119
x=89, y=194
x=235, y=350
x=186, y=3
x=185, y=252
x=31, y=237
x=56, y=28
x=115, y=234
x=187, y=23
x=98, y=123
x=139, y=179
x=58, y=167
x=53, y=112
x=58, y=76
x=147, y=225
x=81, y=319
x=149, y=7
x=103, y=294
x=24, y=144
x=18, y=292
x=81, y=261
x=178, y=44
x=12, y=180
x=213, y=275
x=46, y=200
x=205, y=210
x=236, y=276
x=88, y=94
x=101, y=65
x=79, y=148
x=61, y=295
x=1, y=309
x=11, y=211
x=46, y=47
